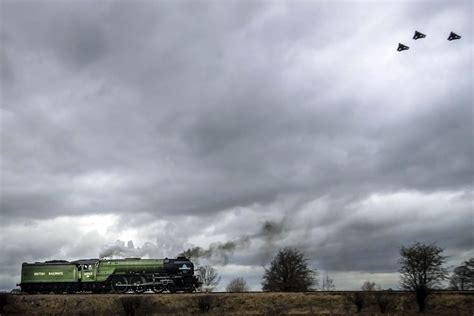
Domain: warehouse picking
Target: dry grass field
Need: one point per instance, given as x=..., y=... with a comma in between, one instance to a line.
x=315, y=303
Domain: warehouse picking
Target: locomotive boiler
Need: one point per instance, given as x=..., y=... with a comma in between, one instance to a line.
x=110, y=275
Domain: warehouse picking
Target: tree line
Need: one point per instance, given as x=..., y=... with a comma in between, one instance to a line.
x=422, y=269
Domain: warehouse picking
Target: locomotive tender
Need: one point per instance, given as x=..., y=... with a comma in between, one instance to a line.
x=109, y=275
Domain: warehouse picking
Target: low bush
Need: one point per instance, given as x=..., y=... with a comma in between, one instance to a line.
x=358, y=299
x=130, y=304
x=204, y=303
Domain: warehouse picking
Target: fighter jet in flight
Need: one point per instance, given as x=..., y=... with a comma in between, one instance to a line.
x=418, y=35
x=402, y=47
x=453, y=36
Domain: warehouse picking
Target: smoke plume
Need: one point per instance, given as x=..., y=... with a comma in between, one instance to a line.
x=269, y=232
x=219, y=252
x=120, y=249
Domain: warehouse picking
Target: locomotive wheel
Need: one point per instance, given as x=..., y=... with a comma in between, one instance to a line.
x=117, y=284
x=171, y=287
x=137, y=281
x=158, y=288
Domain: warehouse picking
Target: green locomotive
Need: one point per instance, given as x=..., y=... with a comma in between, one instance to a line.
x=109, y=275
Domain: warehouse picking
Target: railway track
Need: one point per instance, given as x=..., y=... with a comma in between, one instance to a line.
x=394, y=292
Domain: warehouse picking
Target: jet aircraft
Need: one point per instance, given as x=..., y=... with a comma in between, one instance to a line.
x=402, y=47
x=453, y=36
x=418, y=35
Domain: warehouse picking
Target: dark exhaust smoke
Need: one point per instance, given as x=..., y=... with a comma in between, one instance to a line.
x=267, y=236
x=219, y=252
x=270, y=232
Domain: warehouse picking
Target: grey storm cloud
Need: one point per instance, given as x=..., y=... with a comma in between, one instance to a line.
x=194, y=112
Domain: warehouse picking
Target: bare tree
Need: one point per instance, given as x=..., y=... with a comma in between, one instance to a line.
x=370, y=286
x=237, y=285
x=289, y=272
x=209, y=278
x=328, y=284
x=463, y=277
x=421, y=269
x=377, y=296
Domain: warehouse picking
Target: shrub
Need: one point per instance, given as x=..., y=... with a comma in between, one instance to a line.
x=358, y=299
x=130, y=304
x=204, y=303
x=382, y=299
x=3, y=302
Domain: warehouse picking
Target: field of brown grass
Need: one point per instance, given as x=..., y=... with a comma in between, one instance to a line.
x=313, y=303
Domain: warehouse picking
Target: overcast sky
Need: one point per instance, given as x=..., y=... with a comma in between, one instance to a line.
x=177, y=124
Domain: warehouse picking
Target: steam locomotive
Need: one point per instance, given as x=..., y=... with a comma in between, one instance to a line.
x=110, y=276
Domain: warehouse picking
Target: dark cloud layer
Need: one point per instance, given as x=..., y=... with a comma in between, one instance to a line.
x=193, y=112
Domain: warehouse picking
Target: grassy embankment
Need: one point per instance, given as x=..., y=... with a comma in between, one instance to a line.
x=316, y=303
